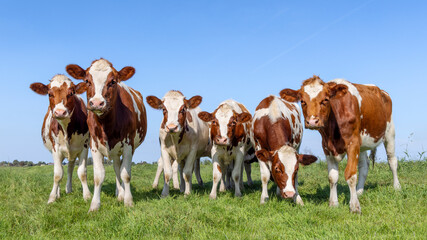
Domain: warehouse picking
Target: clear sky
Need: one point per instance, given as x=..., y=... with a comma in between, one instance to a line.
x=245, y=50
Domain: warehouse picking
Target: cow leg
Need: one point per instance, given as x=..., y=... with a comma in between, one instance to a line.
x=158, y=172
x=265, y=176
x=391, y=157
x=120, y=192
x=353, y=152
x=188, y=171
x=241, y=177
x=167, y=171
x=98, y=178
x=126, y=174
x=297, y=197
x=237, y=170
x=181, y=172
x=175, y=175
x=363, y=172
x=248, y=171
x=197, y=172
x=333, y=179
x=58, y=173
x=70, y=169
x=223, y=186
x=217, y=175
x=229, y=183
x=82, y=172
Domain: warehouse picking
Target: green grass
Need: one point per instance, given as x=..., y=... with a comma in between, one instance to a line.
x=385, y=213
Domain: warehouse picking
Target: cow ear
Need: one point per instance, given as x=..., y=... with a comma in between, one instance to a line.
x=244, y=117
x=39, y=88
x=76, y=71
x=263, y=155
x=194, y=102
x=155, y=102
x=81, y=88
x=290, y=95
x=306, y=159
x=337, y=90
x=126, y=73
x=205, y=116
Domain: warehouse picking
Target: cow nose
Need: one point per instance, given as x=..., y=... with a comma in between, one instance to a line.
x=221, y=140
x=171, y=127
x=60, y=113
x=289, y=194
x=95, y=103
x=313, y=121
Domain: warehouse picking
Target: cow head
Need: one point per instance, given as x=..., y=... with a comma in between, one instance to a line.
x=175, y=110
x=315, y=98
x=284, y=167
x=225, y=124
x=101, y=80
x=61, y=91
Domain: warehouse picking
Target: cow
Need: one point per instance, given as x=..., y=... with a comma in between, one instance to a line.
x=183, y=137
x=351, y=118
x=229, y=131
x=64, y=131
x=276, y=134
x=117, y=123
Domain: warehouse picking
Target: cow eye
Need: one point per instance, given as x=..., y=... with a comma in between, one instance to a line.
x=50, y=95
x=110, y=84
x=303, y=103
x=213, y=122
x=325, y=101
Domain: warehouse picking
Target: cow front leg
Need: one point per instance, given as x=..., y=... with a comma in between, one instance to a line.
x=237, y=174
x=216, y=176
x=363, y=172
x=158, y=172
x=188, y=171
x=350, y=174
x=248, y=171
x=297, y=198
x=98, y=178
x=58, y=173
x=120, y=192
x=82, y=172
x=391, y=157
x=126, y=174
x=70, y=169
x=333, y=180
x=181, y=173
x=265, y=176
x=175, y=175
x=197, y=172
x=167, y=172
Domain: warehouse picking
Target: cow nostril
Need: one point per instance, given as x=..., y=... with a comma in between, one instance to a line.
x=91, y=103
x=317, y=120
x=101, y=104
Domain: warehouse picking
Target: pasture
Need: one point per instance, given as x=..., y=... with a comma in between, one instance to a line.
x=385, y=214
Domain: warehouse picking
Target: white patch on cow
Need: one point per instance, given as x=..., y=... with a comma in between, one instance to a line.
x=223, y=115
x=287, y=156
x=59, y=80
x=370, y=85
x=313, y=89
x=385, y=93
x=351, y=88
x=47, y=143
x=368, y=142
x=99, y=71
x=60, y=106
x=135, y=105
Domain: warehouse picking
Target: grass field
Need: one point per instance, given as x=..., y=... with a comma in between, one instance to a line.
x=385, y=213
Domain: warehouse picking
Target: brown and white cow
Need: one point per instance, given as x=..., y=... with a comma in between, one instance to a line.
x=276, y=134
x=65, y=132
x=351, y=119
x=117, y=123
x=230, y=133
x=183, y=137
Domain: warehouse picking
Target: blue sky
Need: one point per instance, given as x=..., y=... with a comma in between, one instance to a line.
x=245, y=50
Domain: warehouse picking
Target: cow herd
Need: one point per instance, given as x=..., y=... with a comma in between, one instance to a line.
x=351, y=118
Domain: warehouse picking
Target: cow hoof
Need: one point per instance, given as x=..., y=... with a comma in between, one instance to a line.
x=94, y=207
x=129, y=203
x=359, y=192
x=264, y=200
x=120, y=197
x=299, y=201
x=238, y=195
x=176, y=187
x=397, y=187
x=250, y=183
x=51, y=200
x=201, y=184
x=154, y=186
x=333, y=204
x=355, y=207
x=212, y=197
x=87, y=196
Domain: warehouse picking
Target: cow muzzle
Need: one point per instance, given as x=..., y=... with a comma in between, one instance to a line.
x=313, y=123
x=60, y=114
x=288, y=194
x=97, y=106
x=222, y=141
x=172, y=128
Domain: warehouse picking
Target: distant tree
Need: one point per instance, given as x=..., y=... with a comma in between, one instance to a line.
x=15, y=162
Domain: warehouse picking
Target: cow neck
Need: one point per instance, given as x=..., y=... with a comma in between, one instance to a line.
x=78, y=118
x=331, y=135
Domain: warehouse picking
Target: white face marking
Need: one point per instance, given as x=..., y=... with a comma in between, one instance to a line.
x=351, y=88
x=59, y=80
x=99, y=71
x=173, y=101
x=287, y=156
x=60, y=106
x=313, y=89
x=223, y=115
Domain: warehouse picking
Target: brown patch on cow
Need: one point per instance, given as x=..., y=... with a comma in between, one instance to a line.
x=219, y=168
x=96, y=181
x=265, y=103
x=57, y=178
